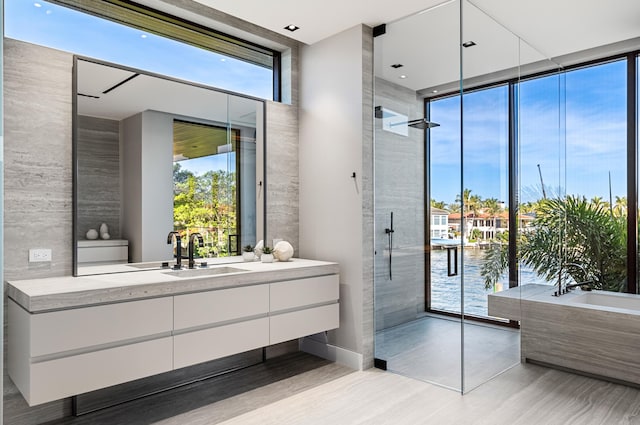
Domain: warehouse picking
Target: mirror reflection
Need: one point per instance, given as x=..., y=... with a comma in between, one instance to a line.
x=154, y=155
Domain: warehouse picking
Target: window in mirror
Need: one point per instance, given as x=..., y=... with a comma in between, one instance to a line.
x=128, y=34
x=205, y=179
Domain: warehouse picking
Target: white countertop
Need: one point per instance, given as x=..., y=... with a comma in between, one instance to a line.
x=40, y=295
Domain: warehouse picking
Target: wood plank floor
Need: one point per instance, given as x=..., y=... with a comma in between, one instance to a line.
x=301, y=389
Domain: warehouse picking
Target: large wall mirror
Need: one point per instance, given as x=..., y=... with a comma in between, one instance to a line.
x=155, y=155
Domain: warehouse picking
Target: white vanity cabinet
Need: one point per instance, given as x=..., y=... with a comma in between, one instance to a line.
x=303, y=307
x=56, y=351
x=215, y=324
x=62, y=353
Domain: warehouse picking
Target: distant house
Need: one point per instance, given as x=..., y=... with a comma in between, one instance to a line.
x=439, y=223
x=489, y=226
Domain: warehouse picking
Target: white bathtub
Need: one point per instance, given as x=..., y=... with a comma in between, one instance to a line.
x=608, y=299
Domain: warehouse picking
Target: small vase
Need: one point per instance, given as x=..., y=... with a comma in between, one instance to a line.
x=267, y=258
x=248, y=256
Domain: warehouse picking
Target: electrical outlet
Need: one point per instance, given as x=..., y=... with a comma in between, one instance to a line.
x=39, y=255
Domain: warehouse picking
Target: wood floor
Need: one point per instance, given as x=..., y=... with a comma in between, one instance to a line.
x=301, y=389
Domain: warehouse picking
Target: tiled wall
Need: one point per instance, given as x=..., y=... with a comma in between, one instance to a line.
x=37, y=183
x=98, y=175
x=282, y=174
x=399, y=188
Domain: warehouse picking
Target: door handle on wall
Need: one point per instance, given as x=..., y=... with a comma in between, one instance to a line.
x=455, y=261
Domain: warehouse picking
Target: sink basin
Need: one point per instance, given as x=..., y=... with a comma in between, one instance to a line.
x=150, y=264
x=204, y=272
x=615, y=300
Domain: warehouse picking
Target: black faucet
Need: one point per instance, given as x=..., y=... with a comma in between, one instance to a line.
x=170, y=237
x=192, y=248
x=565, y=289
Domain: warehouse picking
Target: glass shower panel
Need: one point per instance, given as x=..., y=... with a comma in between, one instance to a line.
x=542, y=170
x=415, y=56
x=596, y=176
x=243, y=143
x=490, y=64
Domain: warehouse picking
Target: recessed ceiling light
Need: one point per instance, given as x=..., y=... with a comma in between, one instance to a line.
x=143, y=35
x=397, y=65
x=292, y=27
x=37, y=4
x=434, y=91
x=468, y=43
x=403, y=76
x=223, y=59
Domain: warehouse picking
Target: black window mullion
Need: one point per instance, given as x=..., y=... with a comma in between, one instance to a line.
x=513, y=185
x=632, y=176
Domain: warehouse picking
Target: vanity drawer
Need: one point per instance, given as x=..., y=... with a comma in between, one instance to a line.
x=288, y=326
x=67, y=376
x=303, y=292
x=103, y=254
x=206, y=308
x=79, y=328
x=213, y=343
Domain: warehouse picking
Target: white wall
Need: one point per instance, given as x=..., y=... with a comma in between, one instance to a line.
x=148, y=170
x=331, y=150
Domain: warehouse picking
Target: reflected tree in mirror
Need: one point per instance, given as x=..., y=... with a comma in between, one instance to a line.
x=205, y=204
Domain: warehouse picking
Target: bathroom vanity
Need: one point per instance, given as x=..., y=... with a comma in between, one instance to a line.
x=71, y=335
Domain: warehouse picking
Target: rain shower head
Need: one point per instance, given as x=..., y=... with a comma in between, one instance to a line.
x=387, y=115
x=420, y=123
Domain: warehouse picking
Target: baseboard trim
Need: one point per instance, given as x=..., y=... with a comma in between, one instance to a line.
x=331, y=352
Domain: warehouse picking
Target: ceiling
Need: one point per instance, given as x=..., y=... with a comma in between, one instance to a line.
x=422, y=35
x=115, y=93
x=554, y=27
x=508, y=33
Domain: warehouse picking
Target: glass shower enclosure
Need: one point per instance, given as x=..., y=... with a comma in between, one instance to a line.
x=446, y=193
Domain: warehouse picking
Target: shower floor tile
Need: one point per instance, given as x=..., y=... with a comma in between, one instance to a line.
x=430, y=349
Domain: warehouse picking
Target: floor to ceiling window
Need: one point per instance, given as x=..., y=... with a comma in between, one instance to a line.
x=573, y=183
x=485, y=197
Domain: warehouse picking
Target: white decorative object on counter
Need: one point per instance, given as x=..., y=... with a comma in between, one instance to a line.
x=92, y=234
x=283, y=251
x=104, y=231
x=266, y=258
x=248, y=256
x=258, y=249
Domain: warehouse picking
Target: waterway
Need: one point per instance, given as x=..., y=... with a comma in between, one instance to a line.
x=446, y=291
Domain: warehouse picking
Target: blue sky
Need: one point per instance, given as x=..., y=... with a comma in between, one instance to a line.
x=585, y=107
x=62, y=28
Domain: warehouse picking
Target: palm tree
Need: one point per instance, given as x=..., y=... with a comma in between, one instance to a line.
x=620, y=207
x=492, y=207
x=598, y=201
x=438, y=204
x=566, y=232
x=454, y=208
x=471, y=204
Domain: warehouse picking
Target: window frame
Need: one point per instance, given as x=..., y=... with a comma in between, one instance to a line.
x=150, y=20
x=633, y=77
